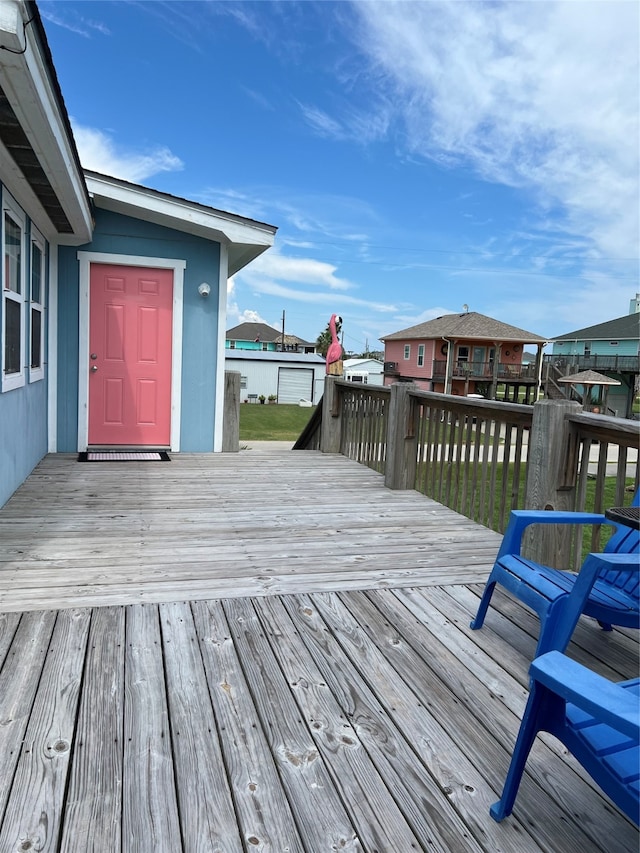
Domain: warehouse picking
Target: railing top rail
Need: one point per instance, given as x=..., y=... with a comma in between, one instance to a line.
x=515, y=411
x=604, y=428
x=359, y=388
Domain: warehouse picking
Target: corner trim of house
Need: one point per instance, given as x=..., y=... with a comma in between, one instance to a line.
x=218, y=417
x=51, y=373
x=178, y=267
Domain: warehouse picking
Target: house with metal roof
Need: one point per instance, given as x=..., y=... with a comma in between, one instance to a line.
x=113, y=298
x=463, y=354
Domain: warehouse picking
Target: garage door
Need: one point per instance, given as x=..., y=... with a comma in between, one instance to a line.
x=295, y=384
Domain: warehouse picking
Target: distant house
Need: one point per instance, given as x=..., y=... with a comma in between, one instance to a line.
x=611, y=348
x=614, y=339
x=259, y=337
x=288, y=376
x=368, y=371
x=113, y=296
x=464, y=354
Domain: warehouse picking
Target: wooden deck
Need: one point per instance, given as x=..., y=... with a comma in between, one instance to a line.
x=268, y=651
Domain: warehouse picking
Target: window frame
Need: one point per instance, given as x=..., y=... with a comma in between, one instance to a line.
x=420, y=358
x=11, y=209
x=36, y=374
x=407, y=352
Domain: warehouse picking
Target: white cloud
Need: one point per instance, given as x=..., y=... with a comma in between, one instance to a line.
x=100, y=153
x=234, y=315
x=72, y=20
x=336, y=300
x=541, y=96
x=321, y=122
x=306, y=271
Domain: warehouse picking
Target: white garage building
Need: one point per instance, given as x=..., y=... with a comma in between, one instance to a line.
x=368, y=371
x=290, y=376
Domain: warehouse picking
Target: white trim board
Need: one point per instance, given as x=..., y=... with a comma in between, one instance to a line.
x=218, y=415
x=178, y=266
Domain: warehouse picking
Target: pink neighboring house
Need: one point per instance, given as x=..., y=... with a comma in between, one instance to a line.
x=462, y=354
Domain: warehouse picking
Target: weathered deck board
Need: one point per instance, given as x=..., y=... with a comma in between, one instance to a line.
x=219, y=525
x=264, y=815
x=150, y=812
x=243, y=662
x=34, y=813
x=204, y=799
x=93, y=805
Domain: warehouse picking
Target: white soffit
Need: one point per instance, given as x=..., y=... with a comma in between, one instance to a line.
x=28, y=83
x=244, y=238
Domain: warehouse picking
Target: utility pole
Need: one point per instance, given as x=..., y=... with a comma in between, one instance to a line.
x=283, y=330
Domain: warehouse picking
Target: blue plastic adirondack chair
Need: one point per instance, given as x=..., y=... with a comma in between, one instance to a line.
x=597, y=720
x=606, y=588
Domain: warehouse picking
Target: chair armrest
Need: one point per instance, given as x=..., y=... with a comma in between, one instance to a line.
x=605, y=700
x=520, y=519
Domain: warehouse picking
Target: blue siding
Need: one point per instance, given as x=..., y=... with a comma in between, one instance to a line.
x=23, y=434
x=23, y=411
x=604, y=347
x=123, y=235
x=252, y=345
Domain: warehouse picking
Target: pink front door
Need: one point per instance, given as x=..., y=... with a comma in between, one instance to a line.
x=130, y=333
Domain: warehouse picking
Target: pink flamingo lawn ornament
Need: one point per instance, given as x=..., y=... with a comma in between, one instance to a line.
x=334, y=353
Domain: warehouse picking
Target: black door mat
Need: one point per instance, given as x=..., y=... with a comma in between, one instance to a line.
x=124, y=456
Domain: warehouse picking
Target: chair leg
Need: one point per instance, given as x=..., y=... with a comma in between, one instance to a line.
x=604, y=625
x=555, y=631
x=484, y=605
x=529, y=729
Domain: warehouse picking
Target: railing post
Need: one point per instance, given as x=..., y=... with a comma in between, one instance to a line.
x=331, y=434
x=402, y=440
x=547, y=486
x=231, y=416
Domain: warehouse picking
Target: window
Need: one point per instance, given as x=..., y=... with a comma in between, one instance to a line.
x=463, y=354
x=265, y=347
x=420, y=355
x=243, y=381
x=36, y=325
x=232, y=344
x=407, y=351
x=13, y=295
x=613, y=343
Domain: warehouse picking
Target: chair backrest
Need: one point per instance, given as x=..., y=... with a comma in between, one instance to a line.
x=625, y=541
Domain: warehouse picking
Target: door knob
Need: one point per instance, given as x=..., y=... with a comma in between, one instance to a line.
x=94, y=367
x=94, y=355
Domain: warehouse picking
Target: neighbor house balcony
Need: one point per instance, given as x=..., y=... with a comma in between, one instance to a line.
x=576, y=363
x=484, y=371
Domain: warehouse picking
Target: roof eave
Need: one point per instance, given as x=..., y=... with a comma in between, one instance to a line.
x=30, y=85
x=245, y=239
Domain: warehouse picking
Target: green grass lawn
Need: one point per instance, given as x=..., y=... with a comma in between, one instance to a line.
x=281, y=422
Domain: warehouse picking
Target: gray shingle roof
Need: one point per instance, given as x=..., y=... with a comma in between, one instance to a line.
x=622, y=328
x=250, y=331
x=467, y=325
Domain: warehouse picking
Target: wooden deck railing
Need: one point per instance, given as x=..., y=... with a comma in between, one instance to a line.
x=483, y=457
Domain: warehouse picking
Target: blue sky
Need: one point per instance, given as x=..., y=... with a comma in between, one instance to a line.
x=416, y=157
